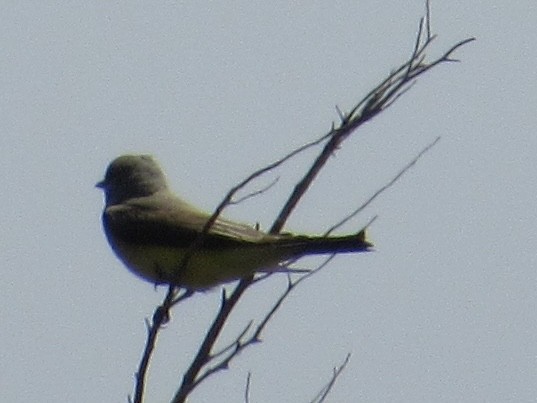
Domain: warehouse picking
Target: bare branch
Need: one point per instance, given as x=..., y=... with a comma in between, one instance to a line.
x=428, y=18
x=247, y=389
x=255, y=193
x=388, y=185
x=160, y=317
x=375, y=102
x=234, y=343
x=240, y=343
x=180, y=298
x=203, y=355
x=378, y=99
x=321, y=396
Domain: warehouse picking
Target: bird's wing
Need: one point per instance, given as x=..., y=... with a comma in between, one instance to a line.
x=164, y=219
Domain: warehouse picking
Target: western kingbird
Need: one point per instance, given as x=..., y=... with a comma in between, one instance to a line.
x=151, y=229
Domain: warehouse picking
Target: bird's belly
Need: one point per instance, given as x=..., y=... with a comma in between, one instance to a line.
x=205, y=268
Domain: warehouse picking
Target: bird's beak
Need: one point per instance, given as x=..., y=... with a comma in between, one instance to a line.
x=100, y=185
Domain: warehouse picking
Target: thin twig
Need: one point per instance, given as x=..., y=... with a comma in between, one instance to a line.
x=428, y=18
x=247, y=389
x=189, y=378
x=160, y=317
x=255, y=193
x=240, y=343
x=321, y=396
x=388, y=185
x=232, y=345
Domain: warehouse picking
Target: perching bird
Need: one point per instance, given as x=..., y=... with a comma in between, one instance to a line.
x=150, y=229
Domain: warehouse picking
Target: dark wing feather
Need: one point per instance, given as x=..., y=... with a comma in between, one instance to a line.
x=168, y=221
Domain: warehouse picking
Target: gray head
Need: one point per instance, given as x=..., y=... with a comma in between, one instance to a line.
x=131, y=176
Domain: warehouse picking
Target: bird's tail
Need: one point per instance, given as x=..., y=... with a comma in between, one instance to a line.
x=308, y=245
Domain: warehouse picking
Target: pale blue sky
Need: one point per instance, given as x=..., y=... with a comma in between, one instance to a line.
x=443, y=311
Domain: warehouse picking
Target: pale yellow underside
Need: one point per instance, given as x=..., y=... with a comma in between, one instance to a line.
x=205, y=269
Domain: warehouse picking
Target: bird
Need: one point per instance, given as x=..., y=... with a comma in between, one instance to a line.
x=151, y=230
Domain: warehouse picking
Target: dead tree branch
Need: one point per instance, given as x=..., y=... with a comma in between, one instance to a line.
x=385, y=94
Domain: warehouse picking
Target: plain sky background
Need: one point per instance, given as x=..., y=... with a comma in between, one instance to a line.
x=445, y=310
